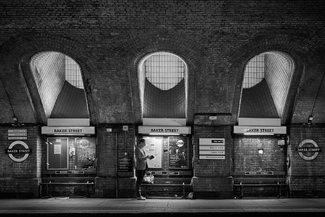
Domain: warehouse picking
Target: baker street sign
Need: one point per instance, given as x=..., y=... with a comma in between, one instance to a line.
x=308, y=149
x=18, y=151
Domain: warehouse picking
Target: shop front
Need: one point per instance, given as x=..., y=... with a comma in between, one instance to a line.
x=171, y=166
x=70, y=158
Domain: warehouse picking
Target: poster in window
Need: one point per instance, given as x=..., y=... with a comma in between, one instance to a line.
x=178, y=152
x=154, y=147
x=57, y=148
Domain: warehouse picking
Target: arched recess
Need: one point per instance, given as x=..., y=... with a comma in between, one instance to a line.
x=60, y=86
x=190, y=51
x=15, y=57
x=282, y=44
x=163, y=87
x=265, y=86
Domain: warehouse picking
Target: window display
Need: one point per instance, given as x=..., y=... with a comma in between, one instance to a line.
x=71, y=153
x=168, y=151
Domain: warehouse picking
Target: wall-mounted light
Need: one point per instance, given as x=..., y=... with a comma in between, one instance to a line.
x=48, y=143
x=15, y=119
x=310, y=119
x=16, y=123
x=260, y=151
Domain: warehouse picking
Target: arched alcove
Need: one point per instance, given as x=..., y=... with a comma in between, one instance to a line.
x=60, y=85
x=163, y=86
x=265, y=86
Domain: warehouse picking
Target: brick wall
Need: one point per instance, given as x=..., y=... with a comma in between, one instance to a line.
x=109, y=38
x=20, y=179
x=247, y=158
x=306, y=177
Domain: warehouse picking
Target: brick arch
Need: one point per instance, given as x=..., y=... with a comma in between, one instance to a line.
x=189, y=50
x=287, y=44
x=15, y=56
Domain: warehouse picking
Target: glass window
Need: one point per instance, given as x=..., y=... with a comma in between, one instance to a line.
x=163, y=86
x=70, y=153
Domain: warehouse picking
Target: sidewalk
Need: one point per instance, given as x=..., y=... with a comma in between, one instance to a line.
x=159, y=207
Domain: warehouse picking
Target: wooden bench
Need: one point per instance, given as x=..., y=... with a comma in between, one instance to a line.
x=259, y=179
x=66, y=178
x=171, y=179
x=47, y=184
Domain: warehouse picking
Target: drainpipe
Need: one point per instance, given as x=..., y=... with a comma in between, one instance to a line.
x=116, y=179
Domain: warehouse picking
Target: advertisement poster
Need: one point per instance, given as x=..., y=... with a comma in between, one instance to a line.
x=57, y=149
x=154, y=147
x=178, y=153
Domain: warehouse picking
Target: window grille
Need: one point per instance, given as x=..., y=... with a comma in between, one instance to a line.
x=254, y=72
x=164, y=70
x=73, y=73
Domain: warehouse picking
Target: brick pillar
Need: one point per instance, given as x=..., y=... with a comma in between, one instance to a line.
x=112, y=181
x=211, y=177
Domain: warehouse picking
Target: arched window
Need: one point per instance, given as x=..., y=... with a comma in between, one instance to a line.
x=163, y=86
x=60, y=86
x=265, y=86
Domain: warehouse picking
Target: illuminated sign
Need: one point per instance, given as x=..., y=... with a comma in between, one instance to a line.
x=212, y=148
x=164, y=130
x=308, y=149
x=260, y=130
x=17, y=134
x=16, y=154
x=68, y=130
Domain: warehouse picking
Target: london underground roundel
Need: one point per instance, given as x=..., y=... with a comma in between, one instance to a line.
x=308, y=149
x=18, y=151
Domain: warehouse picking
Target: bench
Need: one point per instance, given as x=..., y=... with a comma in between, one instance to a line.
x=275, y=179
x=66, y=178
x=66, y=184
x=170, y=179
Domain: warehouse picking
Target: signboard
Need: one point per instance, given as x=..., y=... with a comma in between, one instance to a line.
x=212, y=148
x=18, y=151
x=308, y=149
x=260, y=130
x=68, y=130
x=166, y=130
x=125, y=165
x=17, y=134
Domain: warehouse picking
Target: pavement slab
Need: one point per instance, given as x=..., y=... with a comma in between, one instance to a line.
x=162, y=207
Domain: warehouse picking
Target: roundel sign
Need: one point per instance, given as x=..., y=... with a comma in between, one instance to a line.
x=308, y=149
x=18, y=151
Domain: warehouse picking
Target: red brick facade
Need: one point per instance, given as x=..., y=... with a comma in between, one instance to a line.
x=216, y=39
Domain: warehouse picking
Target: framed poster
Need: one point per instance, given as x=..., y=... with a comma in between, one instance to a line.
x=154, y=146
x=178, y=152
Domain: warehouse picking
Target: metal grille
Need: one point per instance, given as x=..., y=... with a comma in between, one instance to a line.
x=254, y=71
x=73, y=73
x=164, y=70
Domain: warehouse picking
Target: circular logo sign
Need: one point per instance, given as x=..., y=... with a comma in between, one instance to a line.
x=18, y=151
x=308, y=149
